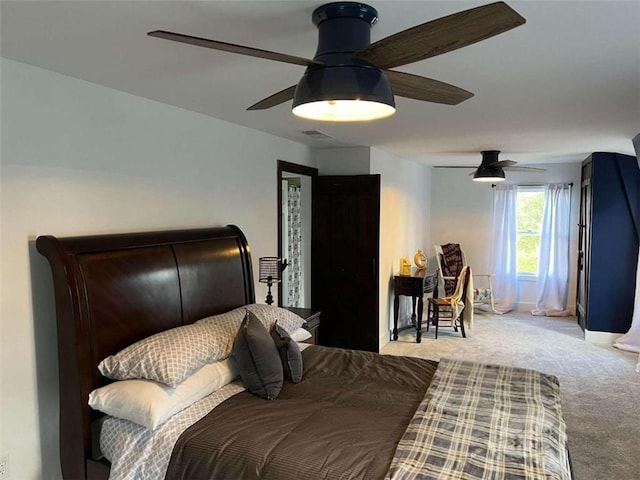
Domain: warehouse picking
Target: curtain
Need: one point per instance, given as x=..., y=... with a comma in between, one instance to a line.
x=294, y=251
x=552, y=288
x=504, y=247
x=631, y=340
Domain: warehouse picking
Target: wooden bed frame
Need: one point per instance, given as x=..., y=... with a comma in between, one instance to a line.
x=113, y=290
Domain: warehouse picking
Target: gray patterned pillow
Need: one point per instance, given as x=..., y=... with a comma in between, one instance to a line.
x=171, y=356
x=257, y=359
x=270, y=314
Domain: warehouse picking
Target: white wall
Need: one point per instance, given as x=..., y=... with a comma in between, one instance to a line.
x=81, y=159
x=343, y=161
x=462, y=213
x=404, y=225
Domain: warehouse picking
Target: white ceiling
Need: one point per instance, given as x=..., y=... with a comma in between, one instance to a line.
x=563, y=85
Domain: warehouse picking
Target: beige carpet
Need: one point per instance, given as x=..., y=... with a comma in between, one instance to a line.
x=599, y=385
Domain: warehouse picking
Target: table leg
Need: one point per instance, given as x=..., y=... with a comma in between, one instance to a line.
x=429, y=314
x=396, y=307
x=419, y=326
x=413, y=310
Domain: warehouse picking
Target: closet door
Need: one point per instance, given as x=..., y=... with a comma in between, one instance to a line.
x=613, y=238
x=344, y=256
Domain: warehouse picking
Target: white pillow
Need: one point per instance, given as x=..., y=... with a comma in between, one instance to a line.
x=300, y=335
x=171, y=356
x=150, y=403
x=270, y=314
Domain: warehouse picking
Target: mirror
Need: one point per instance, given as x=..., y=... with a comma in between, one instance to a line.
x=294, y=233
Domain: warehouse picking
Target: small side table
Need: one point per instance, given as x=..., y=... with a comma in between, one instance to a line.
x=414, y=286
x=312, y=321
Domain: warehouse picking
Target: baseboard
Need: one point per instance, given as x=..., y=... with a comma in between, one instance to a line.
x=601, y=338
x=526, y=307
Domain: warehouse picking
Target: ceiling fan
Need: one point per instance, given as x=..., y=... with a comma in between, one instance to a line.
x=492, y=170
x=350, y=78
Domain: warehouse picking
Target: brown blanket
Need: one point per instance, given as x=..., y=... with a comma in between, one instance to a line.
x=344, y=420
x=452, y=264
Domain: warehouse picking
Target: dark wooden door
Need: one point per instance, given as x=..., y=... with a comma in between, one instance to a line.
x=584, y=236
x=344, y=258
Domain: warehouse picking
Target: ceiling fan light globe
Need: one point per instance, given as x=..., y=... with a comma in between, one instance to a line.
x=343, y=93
x=488, y=179
x=343, y=110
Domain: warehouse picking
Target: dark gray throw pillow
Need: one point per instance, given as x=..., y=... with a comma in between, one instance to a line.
x=257, y=359
x=289, y=353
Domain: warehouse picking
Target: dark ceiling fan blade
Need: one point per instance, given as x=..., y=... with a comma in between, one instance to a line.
x=503, y=163
x=425, y=89
x=524, y=169
x=442, y=35
x=517, y=169
x=233, y=48
x=275, y=99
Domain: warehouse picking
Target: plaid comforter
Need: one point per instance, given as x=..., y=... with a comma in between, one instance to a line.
x=485, y=422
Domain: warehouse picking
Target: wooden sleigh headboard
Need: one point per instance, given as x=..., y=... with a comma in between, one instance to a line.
x=113, y=290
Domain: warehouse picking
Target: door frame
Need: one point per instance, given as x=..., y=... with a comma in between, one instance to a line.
x=295, y=169
x=584, y=243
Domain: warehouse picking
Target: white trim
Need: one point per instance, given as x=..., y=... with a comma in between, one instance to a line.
x=384, y=339
x=527, y=277
x=524, y=307
x=602, y=338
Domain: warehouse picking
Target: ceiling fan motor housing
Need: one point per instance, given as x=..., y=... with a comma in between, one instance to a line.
x=489, y=156
x=487, y=169
x=343, y=29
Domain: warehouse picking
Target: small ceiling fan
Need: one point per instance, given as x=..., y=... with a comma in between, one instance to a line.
x=492, y=170
x=349, y=78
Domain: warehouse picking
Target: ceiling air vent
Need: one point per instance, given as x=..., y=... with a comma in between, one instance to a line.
x=316, y=134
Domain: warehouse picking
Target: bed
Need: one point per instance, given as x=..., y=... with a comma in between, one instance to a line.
x=112, y=291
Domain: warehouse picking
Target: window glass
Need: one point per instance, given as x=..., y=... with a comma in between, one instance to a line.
x=529, y=224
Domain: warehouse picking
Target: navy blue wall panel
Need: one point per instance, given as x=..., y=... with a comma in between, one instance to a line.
x=614, y=242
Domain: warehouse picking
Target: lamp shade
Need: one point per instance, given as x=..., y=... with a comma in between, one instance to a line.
x=269, y=269
x=344, y=93
x=488, y=174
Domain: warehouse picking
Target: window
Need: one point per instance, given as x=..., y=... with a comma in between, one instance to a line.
x=529, y=207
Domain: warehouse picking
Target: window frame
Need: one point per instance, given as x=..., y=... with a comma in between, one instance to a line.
x=528, y=276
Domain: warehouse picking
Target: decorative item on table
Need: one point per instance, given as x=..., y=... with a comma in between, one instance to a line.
x=270, y=269
x=420, y=259
x=405, y=266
